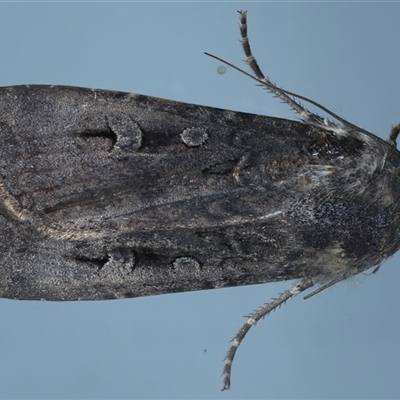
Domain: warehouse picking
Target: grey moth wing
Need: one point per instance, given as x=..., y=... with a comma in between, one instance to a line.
x=109, y=195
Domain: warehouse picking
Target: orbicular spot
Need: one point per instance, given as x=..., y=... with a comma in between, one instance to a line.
x=194, y=137
x=186, y=265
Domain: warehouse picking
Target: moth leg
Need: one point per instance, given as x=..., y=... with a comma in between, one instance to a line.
x=252, y=319
x=284, y=95
x=271, y=87
x=323, y=287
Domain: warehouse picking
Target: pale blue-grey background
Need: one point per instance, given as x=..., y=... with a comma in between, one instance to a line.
x=343, y=343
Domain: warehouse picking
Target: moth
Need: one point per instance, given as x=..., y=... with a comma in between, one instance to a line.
x=108, y=195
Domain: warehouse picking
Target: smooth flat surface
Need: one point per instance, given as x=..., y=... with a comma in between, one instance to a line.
x=342, y=343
